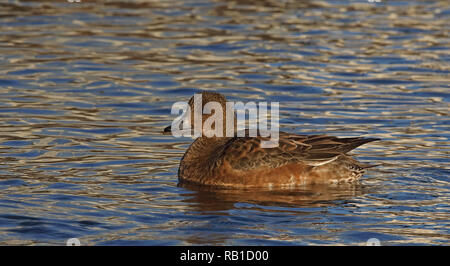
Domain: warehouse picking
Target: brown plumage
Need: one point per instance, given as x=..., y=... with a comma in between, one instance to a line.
x=298, y=160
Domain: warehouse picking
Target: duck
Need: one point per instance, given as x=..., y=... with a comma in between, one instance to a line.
x=241, y=162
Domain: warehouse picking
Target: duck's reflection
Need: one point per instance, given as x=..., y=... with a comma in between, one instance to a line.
x=207, y=199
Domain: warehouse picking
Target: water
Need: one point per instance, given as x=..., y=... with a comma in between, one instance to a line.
x=86, y=89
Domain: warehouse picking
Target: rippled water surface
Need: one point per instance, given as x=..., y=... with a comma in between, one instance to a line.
x=86, y=89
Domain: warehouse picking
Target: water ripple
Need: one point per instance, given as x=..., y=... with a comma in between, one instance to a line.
x=86, y=89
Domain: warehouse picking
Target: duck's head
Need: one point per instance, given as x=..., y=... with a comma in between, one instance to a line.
x=212, y=108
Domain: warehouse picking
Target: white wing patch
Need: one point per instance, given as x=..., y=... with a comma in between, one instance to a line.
x=322, y=162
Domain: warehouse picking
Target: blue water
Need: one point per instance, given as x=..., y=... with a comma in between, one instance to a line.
x=86, y=89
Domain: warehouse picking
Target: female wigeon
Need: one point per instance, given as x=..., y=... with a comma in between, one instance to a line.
x=241, y=162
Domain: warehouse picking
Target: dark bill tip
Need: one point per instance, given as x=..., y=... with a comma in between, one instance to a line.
x=168, y=130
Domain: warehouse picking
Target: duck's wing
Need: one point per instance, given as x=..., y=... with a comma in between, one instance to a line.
x=245, y=153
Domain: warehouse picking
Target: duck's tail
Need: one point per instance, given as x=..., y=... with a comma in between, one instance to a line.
x=352, y=143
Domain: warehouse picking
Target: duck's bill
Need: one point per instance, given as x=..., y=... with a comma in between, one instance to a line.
x=178, y=133
x=167, y=130
x=188, y=132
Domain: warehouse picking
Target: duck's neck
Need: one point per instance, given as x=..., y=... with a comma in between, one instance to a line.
x=204, y=146
x=204, y=150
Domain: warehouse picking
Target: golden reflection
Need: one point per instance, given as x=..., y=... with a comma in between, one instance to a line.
x=85, y=90
x=205, y=199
